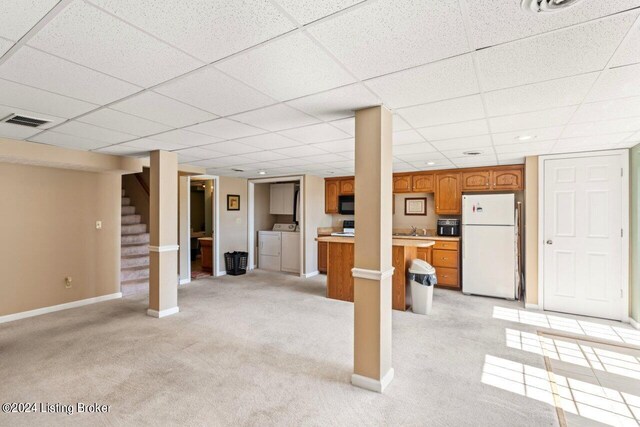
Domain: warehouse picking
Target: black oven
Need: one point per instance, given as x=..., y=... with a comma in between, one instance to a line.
x=346, y=205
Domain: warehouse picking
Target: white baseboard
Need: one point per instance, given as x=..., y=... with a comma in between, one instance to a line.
x=185, y=281
x=634, y=323
x=221, y=273
x=531, y=306
x=371, y=384
x=162, y=313
x=59, y=307
x=313, y=273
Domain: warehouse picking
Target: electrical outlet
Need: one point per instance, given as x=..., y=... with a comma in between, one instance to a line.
x=67, y=282
x=98, y=225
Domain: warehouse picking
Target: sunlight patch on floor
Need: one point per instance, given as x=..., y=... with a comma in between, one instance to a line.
x=558, y=323
x=577, y=397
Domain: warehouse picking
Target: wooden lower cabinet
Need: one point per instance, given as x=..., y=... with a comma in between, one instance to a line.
x=446, y=260
x=206, y=251
x=402, y=256
x=339, y=279
x=322, y=257
x=424, y=254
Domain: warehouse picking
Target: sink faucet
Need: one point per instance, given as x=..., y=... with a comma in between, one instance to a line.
x=414, y=231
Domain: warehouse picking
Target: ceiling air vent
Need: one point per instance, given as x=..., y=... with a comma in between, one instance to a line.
x=472, y=153
x=537, y=6
x=24, y=121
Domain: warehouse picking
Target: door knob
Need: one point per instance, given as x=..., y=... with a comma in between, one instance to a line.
x=549, y=242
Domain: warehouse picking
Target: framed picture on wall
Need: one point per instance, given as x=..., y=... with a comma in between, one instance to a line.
x=415, y=206
x=233, y=202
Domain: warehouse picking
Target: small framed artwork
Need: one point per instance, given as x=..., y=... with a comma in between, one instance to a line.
x=415, y=206
x=233, y=202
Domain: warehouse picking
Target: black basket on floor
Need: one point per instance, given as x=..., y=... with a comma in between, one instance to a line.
x=236, y=262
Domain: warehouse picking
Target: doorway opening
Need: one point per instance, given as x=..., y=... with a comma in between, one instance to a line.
x=202, y=216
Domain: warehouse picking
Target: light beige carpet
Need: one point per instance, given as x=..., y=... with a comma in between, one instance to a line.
x=261, y=349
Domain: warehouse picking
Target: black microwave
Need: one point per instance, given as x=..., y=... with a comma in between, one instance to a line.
x=346, y=205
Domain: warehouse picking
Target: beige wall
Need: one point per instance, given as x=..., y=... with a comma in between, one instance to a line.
x=314, y=217
x=531, y=230
x=400, y=220
x=232, y=233
x=48, y=232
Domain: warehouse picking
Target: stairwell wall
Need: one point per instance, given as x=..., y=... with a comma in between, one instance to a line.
x=139, y=197
x=48, y=228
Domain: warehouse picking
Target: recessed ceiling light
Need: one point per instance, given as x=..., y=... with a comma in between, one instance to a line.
x=525, y=137
x=472, y=153
x=262, y=172
x=431, y=163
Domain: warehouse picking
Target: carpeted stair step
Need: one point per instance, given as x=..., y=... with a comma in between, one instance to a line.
x=128, y=210
x=131, y=219
x=134, y=229
x=131, y=273
x=137, y=260
x=134, y=249
x=126, y=201
x=135, y=239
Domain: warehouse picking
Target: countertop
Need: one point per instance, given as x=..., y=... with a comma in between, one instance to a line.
x=209, y=239
x=418, y=243
x=427, y=237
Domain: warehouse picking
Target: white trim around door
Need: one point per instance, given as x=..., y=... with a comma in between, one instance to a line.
x=624, y=212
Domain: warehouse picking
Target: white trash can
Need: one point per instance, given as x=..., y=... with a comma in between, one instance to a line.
x=421, y=294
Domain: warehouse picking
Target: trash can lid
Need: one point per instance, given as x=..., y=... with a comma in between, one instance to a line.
x=419, y=266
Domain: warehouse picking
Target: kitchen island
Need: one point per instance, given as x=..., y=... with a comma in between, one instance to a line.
x=340, y=261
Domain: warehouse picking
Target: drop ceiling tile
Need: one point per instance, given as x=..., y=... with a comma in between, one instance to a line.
x=275, y=118
x=404, y=167
x=540, y=134
x=449, y=78
x=338, y=146
x=398, y=123
x=38, y=69
x=467, y=142
x=149, y=144
x=509, y=159
x=386, y=36
x=443, y=112
x=208, y=163
x=346, y=125
x=629, y=52
x=158, y=108
x=79, y=33
x=308, y=11
x=8, y=130
x=259, y=166
x=458, y=156
x=617, y=83
x=315, y=133
x=335, y=160
x=29, y=98
x=18, y=16
x=419, y=158
x=183, y=158
x=231, y=147
x=301, y=151
x=122, y=150
x=266, y=156
x=213, y=91
x=215, y=29
x=422, y=147
x=539, y=96
x=533, y=148
x=589, y=141
x=225, y=129
x=475, y=161
x=493, y=23
x=199, y=153
x=553, y=55
x=67, y=141
x=432, y=165
x=336, y=103
x=185, y=138
x=5, y=45
x=455, y=130
x=406, y=137
x=294, y=162
x=545, y=118
x=233, y=161
x=607, y=110
x=602, y=128
x=268, y=141
x=122, y=122
x=288, y=68
x=85, y=130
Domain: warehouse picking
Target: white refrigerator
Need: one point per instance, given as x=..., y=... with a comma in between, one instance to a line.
x=489, y=245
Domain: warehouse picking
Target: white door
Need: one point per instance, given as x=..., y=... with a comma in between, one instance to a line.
x=269, y=250
x=582, y=236
x=291, y=252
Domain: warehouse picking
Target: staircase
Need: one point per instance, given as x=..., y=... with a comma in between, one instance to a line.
x=134, y=264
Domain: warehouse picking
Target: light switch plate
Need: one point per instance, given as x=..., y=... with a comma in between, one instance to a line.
x=98, y=225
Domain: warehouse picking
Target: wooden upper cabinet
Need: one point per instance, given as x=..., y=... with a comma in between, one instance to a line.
x=331, y=196
x=402, y=183
x=448, y=193
x=476, y=180
x=422, y=183
x=347, y=186
x=508, y=179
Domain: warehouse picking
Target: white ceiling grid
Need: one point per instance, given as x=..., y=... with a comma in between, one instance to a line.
x=272, y=84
